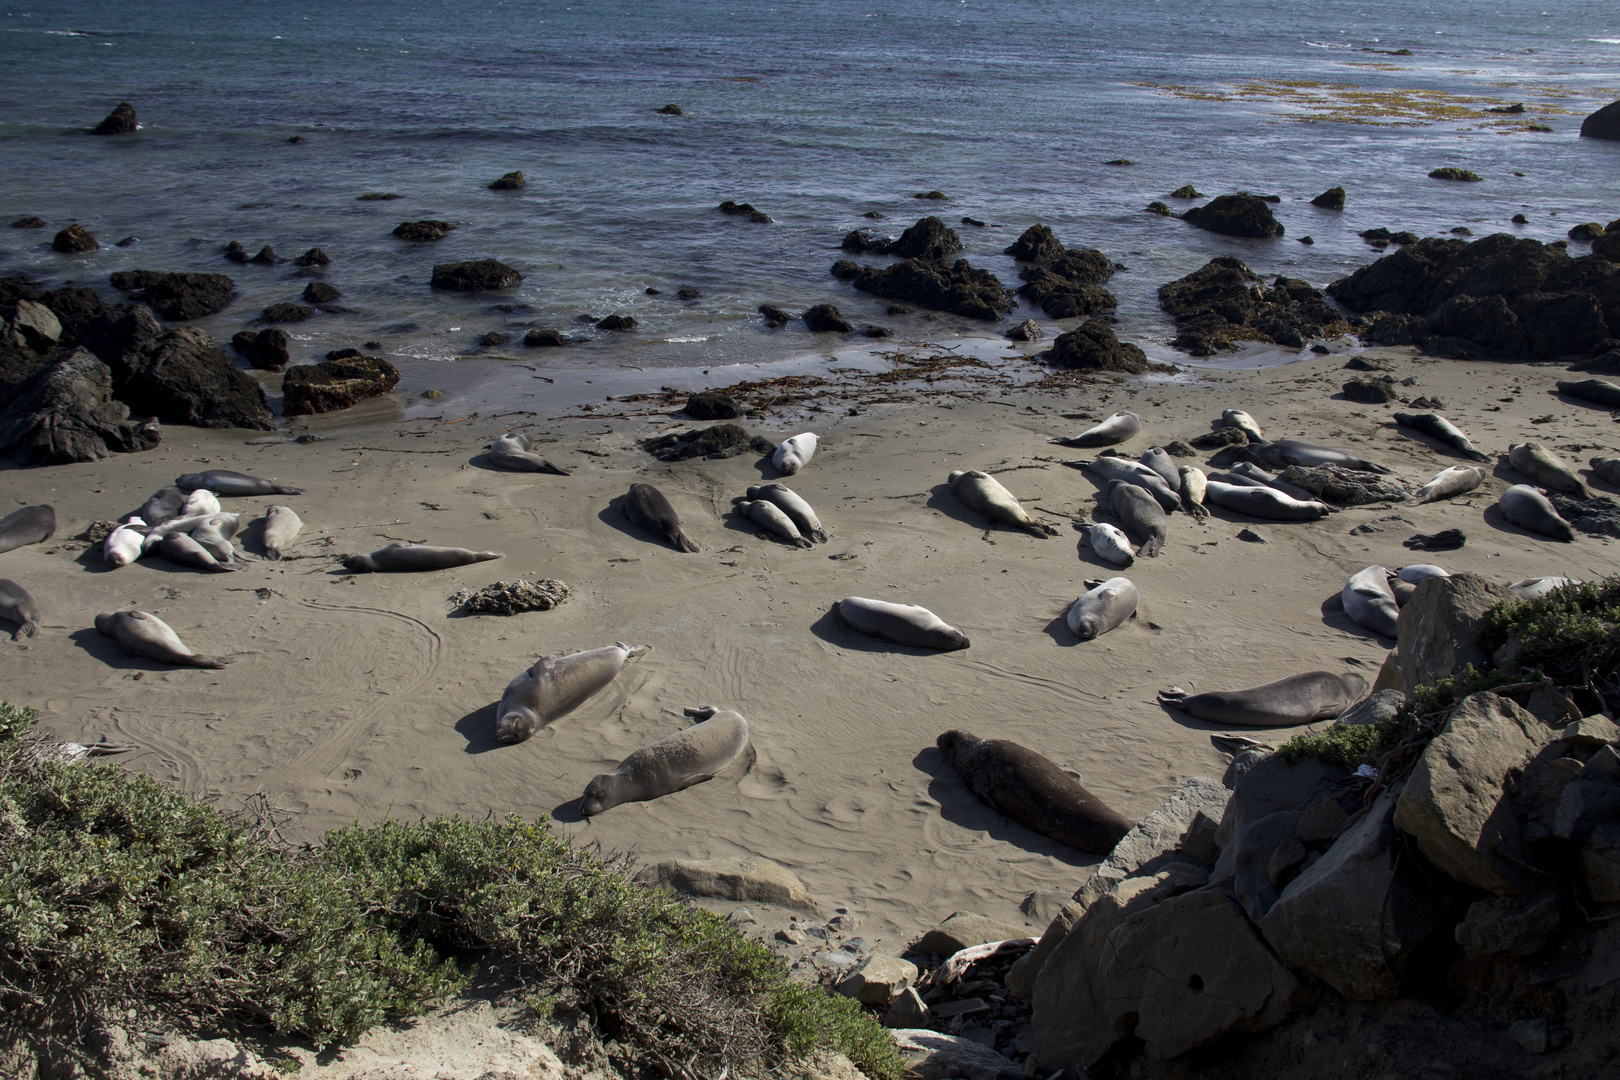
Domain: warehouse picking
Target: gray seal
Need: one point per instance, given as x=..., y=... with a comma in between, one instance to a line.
x=413, y=557
x=1546, y=470
x=648, y=509
x=163, y=505
x=19, y=605
x=1140, y=513
x=672, y=763
x=1535, y=587
x=1111, y=544
x=770, y=516
x=1529, y=509
x=1108, y=469
x=1298, y=699
x=228, y=483
x=1248, y=470
x=215, y=533
x=1607, y=468
x=1028, y=788
x=1370, y=602
x=1121, y=427
x=143, y=634
x=1194, y=486
x=903, y=624
x=1263, y=502
x=794, y=506
x=555, y=686
x=1158, y=459
x=1294, y=452
x=180, y=549
x=984, y=493
x=1438, y=427
x=281, y=528
x=1237, y=418
x=1447, y=483
x=1597, y=391
x=1104, y=606
x=514, y=452
x=30, y=525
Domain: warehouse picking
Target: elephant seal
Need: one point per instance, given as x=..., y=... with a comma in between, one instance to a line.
x=1370, y=602
x=163, y=505
x=201, y=501
x=1135, y=473
x=1264, y=502
x=770, y=516
x=1546, y=470
x=1421, y=572
x=1438, y=427
x=1536, y=587
x=19, y=605
x=555, y=686
x=1159, y=460
x=1294, y=452
x=793, y=505
x=648, y=509
x=1597, y=391
x=1028, y=788
x=281, y=527
x=1194, y=486
x=1298, y=699
x=1121, y=427
x=232, y=484
x=142, y=634
x=984, y=493
x=180, y=549
x=672, y=763
x=1237, y=418
x=215, y=534
x=514, y=452
x=1530, y=509
x=30, y=525
x=154, y=536
x=903, y=624
x=793, y=454
x=1142, y=516
x=1403, y=590
x=1104, y=606
x=123, y=544
x=1457, y=480
x=413, y=557
x=1110, y=544
x=1607, y=468
x=1248, y=470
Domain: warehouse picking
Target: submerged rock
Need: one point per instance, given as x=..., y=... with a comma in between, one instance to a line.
x=478, y=275
x=121, y=121
x=959, y=288
x=1236, y=215
x=74, y=238
x=422, y=231
x=177, y=297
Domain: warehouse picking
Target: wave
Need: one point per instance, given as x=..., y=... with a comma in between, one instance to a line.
x=1328, y=45
x=1605, y=40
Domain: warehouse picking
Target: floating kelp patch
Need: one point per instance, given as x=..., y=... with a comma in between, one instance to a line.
x=511, y=597
x=1310, y=101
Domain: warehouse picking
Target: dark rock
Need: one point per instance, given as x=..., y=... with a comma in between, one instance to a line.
x=1120, y=161
x=1340, y=486
x=177, y=297
x=1036, y=245
x=719, y=441
x=873, y=214
x=1382, y=236
x=1222, y=436
x=1371, y=391
x=711, y=405
x=1462, y=230
x=74, y=306
x=312, y=257
x=1093, y=346
x=1236, y=215
x=877, y=332
x=286, y=312
x=378, y=196
x=121, y=121
x=245, y=342
x=671, y=109
x=1225, y=302
x=688, y=294
x=493, y=338
x=479, y=275
x=650, y=291
x=319, y=292
x=1249, y=536
x=1363, y=363
x=270, y=349
x=1603, y=124
x=1306, y=240
x=1177, y=448
x=509, y=182
x=74, y=238
x=1071, y=285
x=266, y=256
x=1520, y=219
x=1448, y=540
x=1157, y=207
x=935, y=195
x=958, y=288
x=897, y=309
x=1331, y=199
x=66, y=413
x=1186, y=191
x=1608, y=245
x=235, y=252
x=826, y=318
x=295, y=139
x=617, y=322
x=975, y=222
x=544, y=339
x=1026, y=331
x=859, y=240
x=1599, y=516
x=930, y=238
x=336, y=384
x=28, y=223
x=422, y=231
x=1451, y=172
x=744, y=210
x=774, y=316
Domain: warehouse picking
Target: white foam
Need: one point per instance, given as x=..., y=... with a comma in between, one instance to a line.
x=685, y=340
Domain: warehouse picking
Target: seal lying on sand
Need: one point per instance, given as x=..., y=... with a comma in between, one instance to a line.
x=180, y=549
x=281, y=527
x=1120, y=427
x=1597, y=391
x=793, y=454
x=1294, y=452
x=1298, y=699
x=162, y=506
x=1135, y=473
x=903, y=624
x=30, y=525
x=1104, y=606
x=1141, y=515
x=1194, y=486
x=1237, y=418
x=1028, y=788
x=1535, y=587
x=1607, y=468
x=1457, y=480
x=19, y=605
x=1546, y=470
x=1370, y=602
x=984, y=493
x=123, y=544
x=514, y=452
x=648, y=509
x=770, y=517
x=555, y=686
x=215, y=534
x=1438, y=427
x=672, y=763
x=1530, y=509
x=1245, y=471
x=1110, y=544
x=142, y=634
x=412, y=557
x=794, y=506
x=1159, y=460
x=1263, y=502
x=232, y=484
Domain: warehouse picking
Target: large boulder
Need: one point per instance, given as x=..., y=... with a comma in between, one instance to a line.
x=1603, y=124
x=66, y=413
x=74, y=306
x=1236, y=215
x=121, y=121
x=1344, y=487
x=962, y=930
x=932, y=1055
x=1093, y=346
x=929, y=239
x=269, y=349
x=749, y=879
x=1438, y=631
x=74, y=238
x=1159, y=832
x=177, y=297
x=1224, y=302
x=33, y=326
x=478, y=275
x=959, y=288
x=1037, y=244
x=1070, y=285
x=878, y=980
x=1264, y=783
x=332, y=385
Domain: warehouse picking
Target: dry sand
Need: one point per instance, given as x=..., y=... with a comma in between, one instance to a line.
x=361, y=697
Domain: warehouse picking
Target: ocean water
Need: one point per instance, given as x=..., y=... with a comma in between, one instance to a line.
x=815, y=112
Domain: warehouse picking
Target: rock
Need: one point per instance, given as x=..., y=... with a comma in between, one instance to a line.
x=74, y=307
x=266, y=256
x=711, y=405
x=1600, y=862
x=479, y=275
x=286, y=312
x=544, y=339
x=930, y=1055
x=1454, y=804
x=617, y=322
x=774, y=316
x=1093, y=346
x=1354, y=918
x=1511, y=925
x=1608, y=245
x=121, y=121
x=1159, y=208
x=1159, y=832
x=718, y=441
x=34, y=326
x=1530, y=1034
x=1379, y=706
x=824, y=318
x=906, y=1011
x=1597, y=516
x=930, y=238
x=1586, y=233
x=750, y=879
x=28, y=223
x=509, y=182
x=65, y=413
x=935, y=194
x=1221, y=437
x=1263, y=783
x=744, y=210
x=1250, y=862
x=1438, y=629
x=1584, y=804
x=1224, y=302
x=235, y=252
x=268, y=349
x=319, y=292
x=1027, y=330
x=1037, y=244
x=1371, y=391
x=1591, y=732
x=422, y=231
x=1605, y=762
x=1249, y=536
x=332, y=385
x=1344, y=487
x=74, y=238
x=378, y=196
x=1236, y=215
x=962, y=930
x=1020, y=978
x=1186, y=191
x=667, y=110
x=516, y=597
x=878, y=980
x=1070, y=285
x=959, y=288
x=313, y=257
x=1451, y=172
x=1331, y=199
x=1322, y=823
x=1603, y=124
x=177, y=297
x=689, y=294
x=494, y=338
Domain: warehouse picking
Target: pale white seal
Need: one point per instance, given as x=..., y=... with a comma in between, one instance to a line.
x=555, y=686
x=1534, y=587
x=1104, y=605
x=281, y=527
x=773, y=520
x=1121, y=427
x=1420, y=572
x=200, y=501
x=795, y=453
x=672, y=763
x=123, y=544
x=793, y=505
x=1111, y=544
x=1193, y=486
x=1457, y=480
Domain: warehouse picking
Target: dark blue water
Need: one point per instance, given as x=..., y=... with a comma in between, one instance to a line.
x=815, y=112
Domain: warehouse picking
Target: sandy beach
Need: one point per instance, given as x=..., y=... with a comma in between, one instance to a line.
x=357, y=697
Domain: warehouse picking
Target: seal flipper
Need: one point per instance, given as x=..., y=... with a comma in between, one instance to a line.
x=199, y=660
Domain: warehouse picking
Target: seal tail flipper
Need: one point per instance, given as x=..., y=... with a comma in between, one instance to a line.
x=28, y=628
x=1151, y=549
x=633, y=651
x=486, y=556
x=801, y=542
x=1040, y=529
x=1475, y=455
x=223, y=567
x=199, y=660
x=555, y=470
x=281, y=490
x=1174, y=696
x=701, y=712
x=819, y=536
x=684, y=543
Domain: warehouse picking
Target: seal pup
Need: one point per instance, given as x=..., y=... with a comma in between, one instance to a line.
x=793, y=505
x=1025, y=786
x=1132, y=472
x=1298, y=699
x=1607, y=468
x=163, y=505
x=1237, y=418
x=648, y=509
x=281, y=527
x=1370, y=602
x=233, y=484
x=1121, y=427
x=1546, y=470
x=1530, y=509
x=770, y=516
x=514, y=452
x=180, y=549
x=123, y=544
x=1142, y=516
x=1532, y=588
x=793, y=454
x=1248, y=470
x=555, y=686
x=143, y=634
x=1294, y=452
x=19, y=605
x=1597, y=391
x=1159, y=460
x=30, y=525
x=1438, y=427
x=672, y=763
x=1457, y=480
x=1104, y=606
x=201, y=501
x=215, y=533
x=1194, y=485
x=903, y=624
x=1264, y=502
x=984, y=493
x=409, y=557
x=1110, y=544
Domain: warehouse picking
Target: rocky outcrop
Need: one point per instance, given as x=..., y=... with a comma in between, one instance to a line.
x=508, y=182
x=74, y=238
x=1439, y=627
x=1093, y=346
x=33, y=326
x=479, y=275
x=878, y=980
x=332, y=385
x=1451, y=172
x=177, y=297
x=747, y=210
x=121, y=121
x=1340, y=486
x=66, y=413
x=1603, y=124
x=711, y=405
x=1331, y=199
x=1371, y=390
x=1037, y=244
x=312, y=258
x=423, y=231
x=1236, y=215
x=1225, y=302
x=616, y=322
x=75, y=307
x=30, y=222
x=826, y=319
x=1028, y=330
x=751, y=878
x=1161, y=831
x=270, y=349
x=544, y=338
x=286, y=312
x=319, y=292
x=959, y=288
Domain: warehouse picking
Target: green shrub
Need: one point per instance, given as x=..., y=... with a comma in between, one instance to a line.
x=1572, y=634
